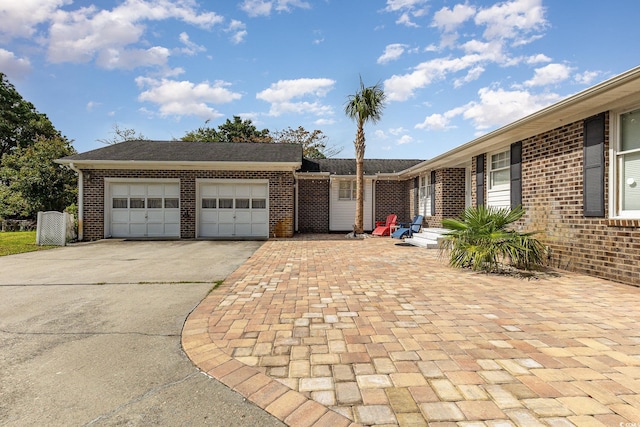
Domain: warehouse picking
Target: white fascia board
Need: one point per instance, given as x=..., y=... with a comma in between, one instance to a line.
x=312, y=175
x=148, y=165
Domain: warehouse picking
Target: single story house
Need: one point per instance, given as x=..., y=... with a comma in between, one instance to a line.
x=574, y=167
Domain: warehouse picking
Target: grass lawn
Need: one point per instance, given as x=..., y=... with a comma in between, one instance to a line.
x=17, y=242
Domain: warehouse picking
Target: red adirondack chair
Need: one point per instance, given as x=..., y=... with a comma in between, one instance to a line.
x=384, y=228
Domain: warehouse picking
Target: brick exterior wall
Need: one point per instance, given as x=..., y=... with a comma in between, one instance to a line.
x=391, y=198
x=450, y=196
x=313, y=205
x=552, y=196
x=281, y=197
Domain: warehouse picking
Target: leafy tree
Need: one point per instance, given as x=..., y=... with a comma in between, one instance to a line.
x=364, y=106
x=121, y=135
x=237, y=130
x=20, y=123
x=314, y=145
x=30, y=181
x=482, y=240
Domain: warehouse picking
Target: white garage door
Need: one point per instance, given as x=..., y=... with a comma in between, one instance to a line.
x=144, y=209
x=233, y=210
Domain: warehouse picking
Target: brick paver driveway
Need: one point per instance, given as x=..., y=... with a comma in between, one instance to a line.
x=330, y=332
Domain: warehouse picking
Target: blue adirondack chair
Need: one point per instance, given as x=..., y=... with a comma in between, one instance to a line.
x=407, y=229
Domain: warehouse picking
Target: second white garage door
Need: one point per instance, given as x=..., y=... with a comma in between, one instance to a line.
x=233, y=209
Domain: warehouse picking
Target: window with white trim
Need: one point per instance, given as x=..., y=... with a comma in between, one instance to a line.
x=626, y=181
x=347, y=190
x=425, y=194
x=499, y=171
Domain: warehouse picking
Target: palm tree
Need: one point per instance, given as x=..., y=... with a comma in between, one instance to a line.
x=365, y=106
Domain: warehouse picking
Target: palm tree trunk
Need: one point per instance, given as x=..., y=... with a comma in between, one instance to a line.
x=359, y=146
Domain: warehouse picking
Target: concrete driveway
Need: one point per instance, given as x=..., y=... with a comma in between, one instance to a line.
x=90, y=335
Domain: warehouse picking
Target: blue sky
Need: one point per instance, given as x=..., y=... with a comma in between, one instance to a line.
x=452, y=70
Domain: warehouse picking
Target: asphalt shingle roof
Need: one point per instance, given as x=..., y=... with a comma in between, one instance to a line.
x=167, y=151
x=348, y=166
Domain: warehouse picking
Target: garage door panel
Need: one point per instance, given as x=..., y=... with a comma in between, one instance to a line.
x=137, y=215
x=259, y=230
x=226, y=190
x=243, y=216
x=226, y=229
x=145, y=209
x=260, y=216
x=209, y=191
x=241, y=210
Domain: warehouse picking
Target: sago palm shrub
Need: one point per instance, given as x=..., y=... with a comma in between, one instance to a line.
x=481, y=239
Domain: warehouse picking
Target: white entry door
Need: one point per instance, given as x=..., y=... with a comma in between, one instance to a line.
x=233, y=210
x=144, y=209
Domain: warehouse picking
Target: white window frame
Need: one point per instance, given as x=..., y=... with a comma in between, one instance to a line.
x=424, y=193
x=492, y=171
x=616, y=158
x=352, y=185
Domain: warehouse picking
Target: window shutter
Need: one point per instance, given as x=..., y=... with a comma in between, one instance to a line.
x=416, y=194
x=593, y=172
x=432, y=184
x=516, y=174
x=480, y=180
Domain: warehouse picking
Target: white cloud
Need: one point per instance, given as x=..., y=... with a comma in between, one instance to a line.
x=536, y=59
x=473, y=74
x=281, y=94
x=434, y=122
x=397, y=5
x=512, y=19
x=132, y=58
x=91, y=105
x=448, y=20
x=401, y=88
x=20, y=18
x=397, y=131
x=495, y=108
x=238, y=30
x=255, y=8
x=587, y=77
x=86, y=33
x=13, y=66
x=190, y=48
x=404, y=139
x=407, y=10
x=380, y=134
x=285, y=90
x=549, y=74
x=324, y=122
x=184, y=98
x=499, y=107
x=392, y=52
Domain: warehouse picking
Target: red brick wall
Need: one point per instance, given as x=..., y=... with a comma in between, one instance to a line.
x=313, y=205
x=450, y=195
x=391, y=198
x=281, y=197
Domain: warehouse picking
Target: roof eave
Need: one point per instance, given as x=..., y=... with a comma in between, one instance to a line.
x=181, y=165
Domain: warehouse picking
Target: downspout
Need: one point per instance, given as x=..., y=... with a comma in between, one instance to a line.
x=80, y=199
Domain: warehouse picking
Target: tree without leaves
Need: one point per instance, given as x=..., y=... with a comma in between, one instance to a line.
x=237, y=130
x=30, y=181
x=20, y=122
x=121, y=135
x=364, y=106
x=313, y=143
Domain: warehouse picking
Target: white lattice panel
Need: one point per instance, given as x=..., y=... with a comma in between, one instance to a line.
x=52, y=228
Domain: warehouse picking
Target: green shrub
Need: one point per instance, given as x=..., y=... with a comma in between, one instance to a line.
x=481, y=239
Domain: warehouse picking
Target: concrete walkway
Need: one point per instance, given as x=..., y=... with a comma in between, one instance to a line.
x=339, y=332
